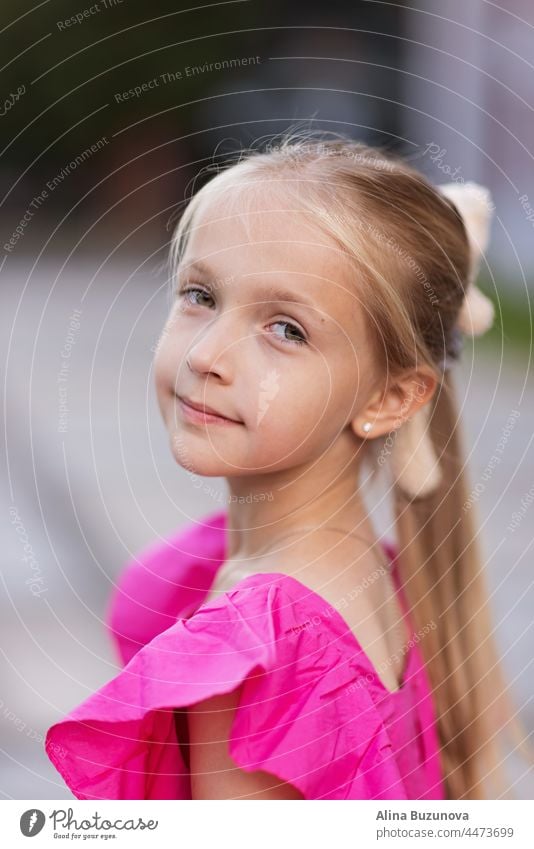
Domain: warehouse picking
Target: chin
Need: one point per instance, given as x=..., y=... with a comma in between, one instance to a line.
x=198, y=458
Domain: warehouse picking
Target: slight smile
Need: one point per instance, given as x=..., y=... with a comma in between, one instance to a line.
x=199, y=416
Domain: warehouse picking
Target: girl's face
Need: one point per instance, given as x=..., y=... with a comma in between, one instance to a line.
x=267, y=330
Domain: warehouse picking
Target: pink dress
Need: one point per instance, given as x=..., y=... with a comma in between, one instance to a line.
x=313, y=710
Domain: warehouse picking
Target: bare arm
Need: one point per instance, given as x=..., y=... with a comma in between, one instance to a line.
x=214, y=775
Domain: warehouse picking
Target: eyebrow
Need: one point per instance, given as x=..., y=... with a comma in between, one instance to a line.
x=274, y=292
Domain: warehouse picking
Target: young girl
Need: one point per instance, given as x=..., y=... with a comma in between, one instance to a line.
x=277, y=649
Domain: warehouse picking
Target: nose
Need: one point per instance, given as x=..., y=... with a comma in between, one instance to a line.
x=211, y=351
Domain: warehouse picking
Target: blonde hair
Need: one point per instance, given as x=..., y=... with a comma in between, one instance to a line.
x=409, y=248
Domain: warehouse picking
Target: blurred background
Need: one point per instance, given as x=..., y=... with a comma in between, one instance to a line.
x=107, y=113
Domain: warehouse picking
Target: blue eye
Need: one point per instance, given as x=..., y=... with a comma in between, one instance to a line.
x=300, y=340
x=193, y=290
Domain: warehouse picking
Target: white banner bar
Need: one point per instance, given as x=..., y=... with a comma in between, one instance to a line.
x=254, y=825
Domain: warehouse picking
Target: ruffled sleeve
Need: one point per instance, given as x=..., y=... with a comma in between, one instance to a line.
x=303, y=714
x=167, y=579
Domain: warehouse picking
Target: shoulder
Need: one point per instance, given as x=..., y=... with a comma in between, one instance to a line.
x=279, y=719
x=255, y=671
x=227, y=650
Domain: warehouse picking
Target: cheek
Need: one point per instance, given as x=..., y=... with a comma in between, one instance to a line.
x=293, y=415
x=297, y=397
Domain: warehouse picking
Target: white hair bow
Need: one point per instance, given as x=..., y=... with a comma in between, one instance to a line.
x=414, y=464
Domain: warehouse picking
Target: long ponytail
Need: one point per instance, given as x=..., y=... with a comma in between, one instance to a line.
x=442, y=574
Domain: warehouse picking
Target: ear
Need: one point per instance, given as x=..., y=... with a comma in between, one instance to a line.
x=390, y=407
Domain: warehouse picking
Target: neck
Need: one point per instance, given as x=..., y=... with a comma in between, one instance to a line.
x=263, y=509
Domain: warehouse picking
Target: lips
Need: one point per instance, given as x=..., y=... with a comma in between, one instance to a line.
x=205, y=409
